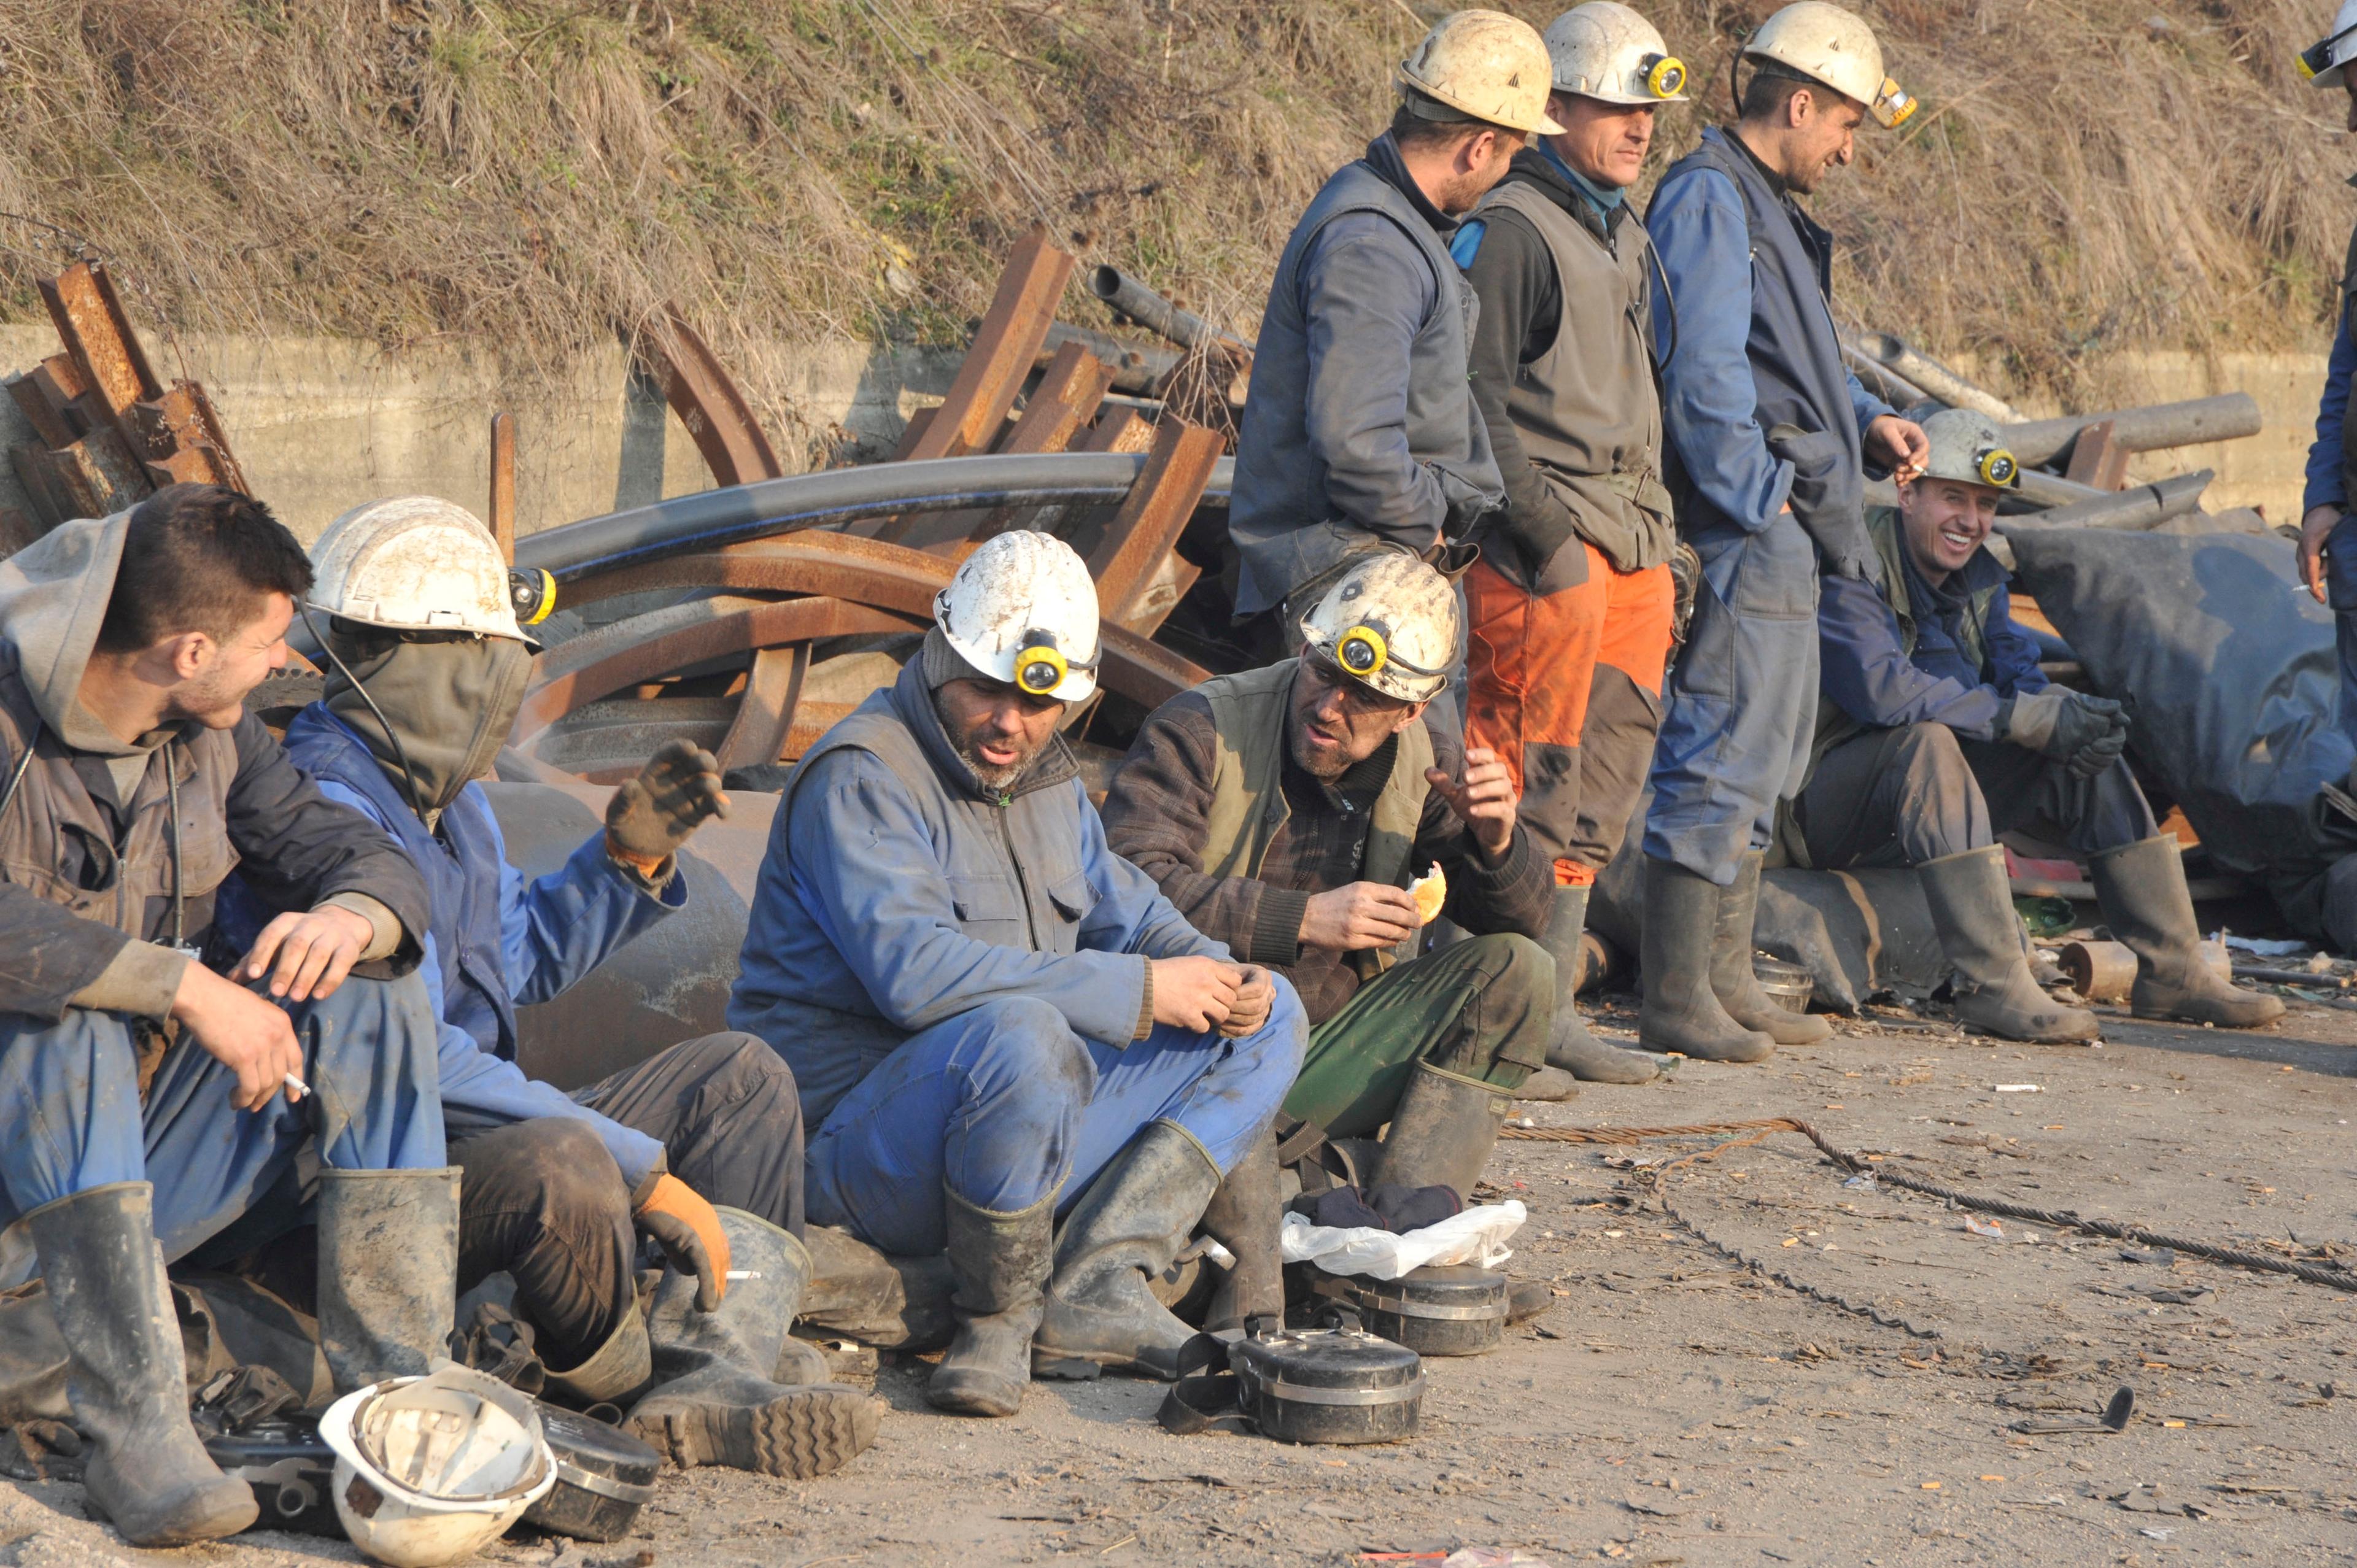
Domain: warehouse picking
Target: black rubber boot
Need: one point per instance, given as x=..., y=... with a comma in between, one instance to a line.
x=1244, y=1216
x=1442, y=1131
x=615, y=1373
x=716, y=1400
x=1126, y=1230
x=858, y=1293
x=147, y=1473
x=1000, y=1262
x=2141, y=888
x=1972, y=908
x=1570, y=1048
x=388, y=1272
x=1736, y=982
x=1682, y=1011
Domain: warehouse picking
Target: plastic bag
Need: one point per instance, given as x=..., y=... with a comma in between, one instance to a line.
x=1475, y=1235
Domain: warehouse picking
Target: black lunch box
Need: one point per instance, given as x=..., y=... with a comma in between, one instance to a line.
x=1443, y=1309
x=1328, y=1385
x=291, y=1469
x=604, y=1476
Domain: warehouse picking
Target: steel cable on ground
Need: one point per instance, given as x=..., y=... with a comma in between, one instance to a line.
x=2331, y=1275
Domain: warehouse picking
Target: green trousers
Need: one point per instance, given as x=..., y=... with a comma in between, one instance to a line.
x=1479, y=1008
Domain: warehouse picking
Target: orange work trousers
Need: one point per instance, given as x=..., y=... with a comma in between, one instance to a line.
x=1566, y=689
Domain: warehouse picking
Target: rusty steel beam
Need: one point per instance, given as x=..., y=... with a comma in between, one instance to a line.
x=2097, y=458
x=1120, y=429
x=1069, y=388
x=1003, y=346
x=700, y=392
x=192, y=465
x=92, y=324
x=501, y=514
x=764, y=716
x=183, y=421
x=1149, y=522
x=1144, y=671
x=34, y=399
x=836, y=565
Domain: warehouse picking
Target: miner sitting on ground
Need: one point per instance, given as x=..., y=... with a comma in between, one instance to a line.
x=1014, y=1048
x=1285, y=809
x=1939, y=732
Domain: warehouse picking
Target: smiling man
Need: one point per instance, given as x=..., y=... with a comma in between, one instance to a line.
x=1938, y=731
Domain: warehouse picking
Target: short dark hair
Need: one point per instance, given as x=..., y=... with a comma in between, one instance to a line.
x=198, y=558
x=1771, y=87
x=1411, y=130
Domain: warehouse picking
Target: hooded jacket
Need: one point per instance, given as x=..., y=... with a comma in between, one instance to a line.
x=88, y=897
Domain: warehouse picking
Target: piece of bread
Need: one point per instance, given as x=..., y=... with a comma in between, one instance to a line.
x=1430, y=891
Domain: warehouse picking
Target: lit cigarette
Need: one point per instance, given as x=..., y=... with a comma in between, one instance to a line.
x=743, y=1274
x=296, y=1088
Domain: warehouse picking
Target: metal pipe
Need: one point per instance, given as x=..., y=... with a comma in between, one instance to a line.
x=1881, y=379
x=1894, y=352
x=1156, y=314
x=2223, y=418
x=2142, y=507
x=708, y=519
x=1136, y=367
x=2038, y=490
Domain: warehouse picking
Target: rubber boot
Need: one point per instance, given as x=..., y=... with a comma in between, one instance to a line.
x=2141, y=888
x=388, y=1272
x=1682, y=1011
x=1000, y=1263
x=714, y=1401
x=1244, y=1216
x=615, y=1373
x=1442, y=1131
x=1126, y=1230
x=147, y=1473
x=1570, y=1048
x=1972, y=908
x=1732, y=977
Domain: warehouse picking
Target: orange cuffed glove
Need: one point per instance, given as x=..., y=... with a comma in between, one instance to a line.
x=688, y=1231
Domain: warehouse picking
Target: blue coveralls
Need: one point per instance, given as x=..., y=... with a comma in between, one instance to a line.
x=958, y=979
x=2329, y=461
x=1764, y=506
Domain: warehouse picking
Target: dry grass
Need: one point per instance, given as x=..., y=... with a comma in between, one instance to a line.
x=524, y=177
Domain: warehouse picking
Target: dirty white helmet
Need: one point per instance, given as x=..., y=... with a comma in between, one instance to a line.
x=421, y=564
x=1605, y=51
x=1488, y=65
x=2322, y=61
x=1391, y=624
x=1023, y=609
x=1827, y=44
x=431, y=1469
x=1966, y=445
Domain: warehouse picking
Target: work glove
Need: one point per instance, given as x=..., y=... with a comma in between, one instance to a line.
x=675, y=1219
x=2084, y=734
x=650, y=817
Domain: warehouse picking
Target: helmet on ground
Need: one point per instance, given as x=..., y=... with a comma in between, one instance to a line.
x=1605, y=51
x=2324, y=61
x=429, y=1470
x=1390, y=624
x=1967, y=446
x=1023, y=609
x=1826, y=43
x=1485, y=65
x=421, y=564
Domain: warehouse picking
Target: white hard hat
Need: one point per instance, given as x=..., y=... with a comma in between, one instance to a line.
x=1391, y=624
x=418, y=563
x=2321, y=61
x=1966, y=445
x=1486, y=64
x=1605, y=51
x=1827, y=44
x=429, y=1470
x=1023, y=609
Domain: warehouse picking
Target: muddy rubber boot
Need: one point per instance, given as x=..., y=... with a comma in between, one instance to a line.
x=1972, y=908
x=1734, y=980
x=1442, y=1131
x=2141, y=888
x=1126, y=1230
x=1682, y=1011
x=858, y=1293
x=1570, y=1048
x=715, y=1400
x=147, y=1473
x=1548, y=1083
x=615, y=1373
x=388, y=1272
x=1244, y=1216
x=1000, y=1262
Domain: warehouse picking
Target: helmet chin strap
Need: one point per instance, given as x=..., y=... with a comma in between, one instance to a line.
x=408, y=774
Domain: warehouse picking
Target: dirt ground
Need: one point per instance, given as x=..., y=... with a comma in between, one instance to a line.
x=1674, y=1407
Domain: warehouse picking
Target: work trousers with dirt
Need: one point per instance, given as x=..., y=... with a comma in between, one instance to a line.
x=1915, y=792
x=1004, y=1104
x=75, y=1118
x=543, y=1201
x=1742, y=702
x=1566, y=689
x=1478, y=1008
x=2341, y=593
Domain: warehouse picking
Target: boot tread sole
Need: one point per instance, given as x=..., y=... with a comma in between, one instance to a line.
x=803, y=1433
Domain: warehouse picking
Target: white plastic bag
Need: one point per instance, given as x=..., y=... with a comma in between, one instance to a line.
x=1475, y=1235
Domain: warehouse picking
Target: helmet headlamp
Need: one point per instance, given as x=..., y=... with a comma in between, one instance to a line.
x=1997, y=469
x=1362, y=650
x=1665, y=75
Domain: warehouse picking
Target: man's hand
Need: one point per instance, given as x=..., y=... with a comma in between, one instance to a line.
x=1249, y=1011
x=1899, y=445
x=679, y=1220
x=313, y=952
x=242, y=1031
x=1484, y=802
x=1361, y=915
x=2313, y=530
x=1196, y=994
x=650, y=817
x=2084, y=734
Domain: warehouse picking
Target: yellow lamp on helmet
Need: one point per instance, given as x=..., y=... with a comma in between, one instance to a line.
x=1362, y=650
x=1997, y=469
x=1040, y=669
x=1666, y=76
